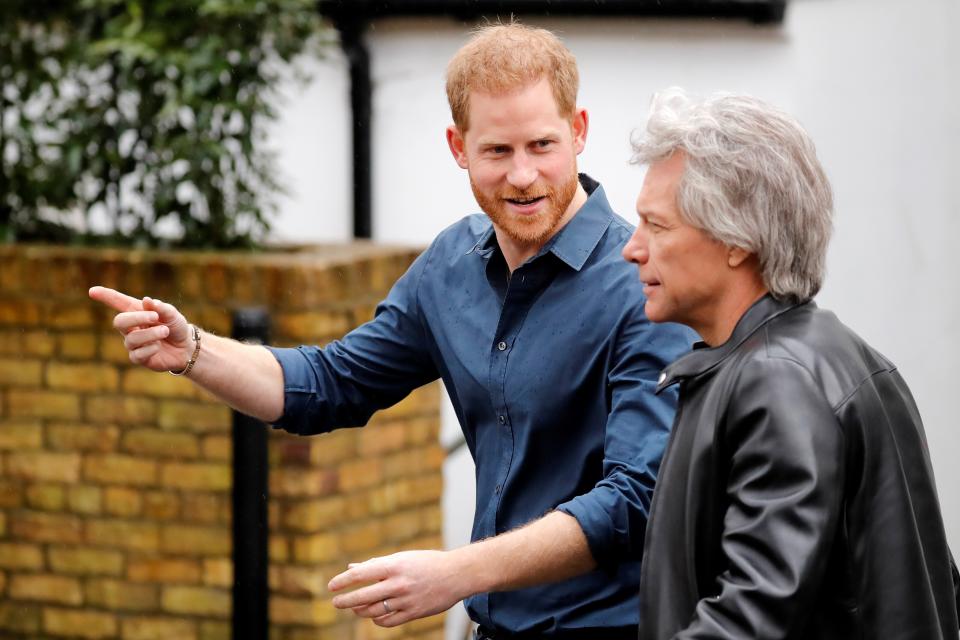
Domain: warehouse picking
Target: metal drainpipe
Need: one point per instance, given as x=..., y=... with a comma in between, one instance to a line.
x=352, y=29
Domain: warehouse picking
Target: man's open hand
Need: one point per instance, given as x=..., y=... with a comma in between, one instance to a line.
x=414, y=584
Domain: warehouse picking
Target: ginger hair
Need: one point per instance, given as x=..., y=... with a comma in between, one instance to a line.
x=501, y=58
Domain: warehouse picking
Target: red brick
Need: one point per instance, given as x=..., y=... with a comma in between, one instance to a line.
x=45, y=497
x=46, y=588
x=202, y=601
x=116, y=595
x=80, y=437
x=360, y=474
x=381, y=438
x=163, y=444
x=120, y=469
x=303, y=483
x=71, y=317
x=120, y=409
x=17, y=555
x=36, y=526
x=321, y=547
x=196, y=540
x=361, y=538
x=29, y=342
x=312, y=515
x=289, y=611
x=19, y=436
x=211, y=508
x=160, y=505
x=216, y=630
x=85, y=499
x=218, y=572
x=78, y=345
x=140, y=381
x=31, y=403
x=85, y=561
x=19, y=617
x=301, y=581
x=17, y=372
x=157, y=628
x=193, y=416
x=83, y=377
x=20, y=313
x=124, y=534
x=198, y=476
x=11, y=493
x=44, y=466
x=79, y=623
x=164, y=570
x=123, y=501
x=219, y=448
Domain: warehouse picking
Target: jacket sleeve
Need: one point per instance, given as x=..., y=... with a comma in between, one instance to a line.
x=613, y=514
x=785, y=449
x=373, y=367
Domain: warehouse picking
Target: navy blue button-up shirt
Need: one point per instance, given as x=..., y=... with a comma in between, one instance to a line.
x=551, y=372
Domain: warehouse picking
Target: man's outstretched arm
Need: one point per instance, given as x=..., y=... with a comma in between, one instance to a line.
x=416, y=584
x=158, y=336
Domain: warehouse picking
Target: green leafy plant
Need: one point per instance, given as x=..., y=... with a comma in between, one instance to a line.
x=141, y=122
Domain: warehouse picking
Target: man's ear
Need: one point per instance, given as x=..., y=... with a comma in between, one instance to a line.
x=737, y=256
x=579, y=126
x=457, y=146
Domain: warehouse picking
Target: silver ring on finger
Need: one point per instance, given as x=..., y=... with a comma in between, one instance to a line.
x=386, y=607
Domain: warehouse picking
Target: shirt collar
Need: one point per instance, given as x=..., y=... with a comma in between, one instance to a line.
x=578, y=238
x=704, y=358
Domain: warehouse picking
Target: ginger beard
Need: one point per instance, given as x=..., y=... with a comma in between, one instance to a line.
x=533, y=228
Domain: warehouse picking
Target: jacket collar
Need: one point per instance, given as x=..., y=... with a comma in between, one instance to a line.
x=704, y=358
x=578, y=238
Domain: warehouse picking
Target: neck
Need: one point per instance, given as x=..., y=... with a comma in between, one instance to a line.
x=730, y=308
x=516, y=251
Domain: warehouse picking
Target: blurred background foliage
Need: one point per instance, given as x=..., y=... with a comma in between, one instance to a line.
x=141, y=122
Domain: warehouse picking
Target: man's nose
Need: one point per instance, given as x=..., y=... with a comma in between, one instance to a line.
x=636, y=248
x=523, y=171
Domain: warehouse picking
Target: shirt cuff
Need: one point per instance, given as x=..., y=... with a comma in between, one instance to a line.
x=597, y=527
x=298, y=396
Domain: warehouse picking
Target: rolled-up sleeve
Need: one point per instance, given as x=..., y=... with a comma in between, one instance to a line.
x=613, y=515
x=371, y=368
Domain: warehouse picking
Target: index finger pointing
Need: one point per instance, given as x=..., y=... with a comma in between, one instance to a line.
x=114, y=299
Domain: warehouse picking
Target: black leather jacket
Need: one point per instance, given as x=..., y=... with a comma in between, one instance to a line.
x=796, y=497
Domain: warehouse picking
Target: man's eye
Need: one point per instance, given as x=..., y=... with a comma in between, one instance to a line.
x=542, y=144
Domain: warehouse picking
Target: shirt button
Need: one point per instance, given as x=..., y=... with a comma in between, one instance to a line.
x=497, y=490
x=502, y=419
x=502, y=345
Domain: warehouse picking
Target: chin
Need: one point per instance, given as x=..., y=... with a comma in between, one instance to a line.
x=655, y=314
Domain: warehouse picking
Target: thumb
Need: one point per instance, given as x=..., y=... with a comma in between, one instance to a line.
x=166, y=312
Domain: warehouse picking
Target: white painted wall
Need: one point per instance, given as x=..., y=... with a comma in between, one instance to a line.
x=874, y=81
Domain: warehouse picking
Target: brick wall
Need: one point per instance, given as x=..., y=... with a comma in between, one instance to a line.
x=115, y=481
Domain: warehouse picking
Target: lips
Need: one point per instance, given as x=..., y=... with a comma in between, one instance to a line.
x=525, y=205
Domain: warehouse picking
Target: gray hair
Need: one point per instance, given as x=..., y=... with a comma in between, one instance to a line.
x=751, y=180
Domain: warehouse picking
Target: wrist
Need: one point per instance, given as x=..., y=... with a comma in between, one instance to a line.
x=193, y=351
x=471, y=563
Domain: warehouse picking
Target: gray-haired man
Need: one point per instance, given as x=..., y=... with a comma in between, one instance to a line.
x=796, y=497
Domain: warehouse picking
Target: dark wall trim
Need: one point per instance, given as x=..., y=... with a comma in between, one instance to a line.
x=763, y=11
x=352, y=17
